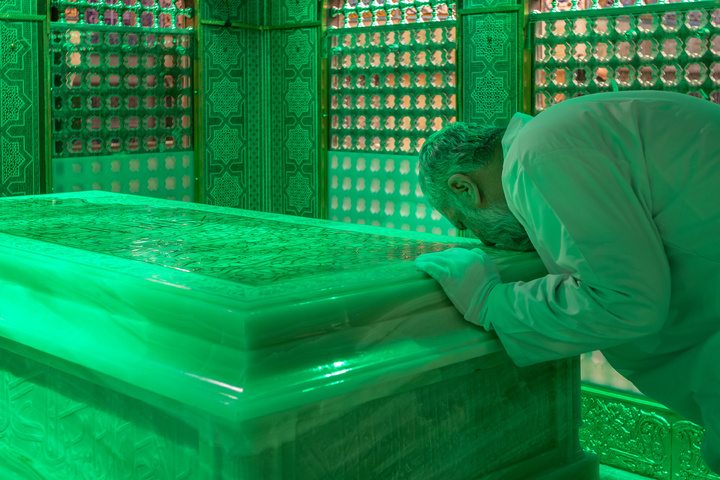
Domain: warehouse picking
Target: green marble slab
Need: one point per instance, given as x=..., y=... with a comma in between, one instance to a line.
x=235, y=314
x=151, y=339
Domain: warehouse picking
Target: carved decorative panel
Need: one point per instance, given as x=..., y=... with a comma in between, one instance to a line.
x=177, y=237
x=20, y=119
x=58, y=426
x=294, y=121
x=251, y=12
x=9, y=7
x=642, y=437
x=490, y=68
x=226, y=115
x=284, y=12
x=454, y=417
x=261, y=119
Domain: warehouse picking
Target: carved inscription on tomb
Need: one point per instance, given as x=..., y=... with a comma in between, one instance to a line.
x=465, y=427
x=251, y=250
x=626, y=437
x=656, y=444
x=56, y=426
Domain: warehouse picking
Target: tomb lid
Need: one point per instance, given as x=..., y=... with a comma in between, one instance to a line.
x=234, y=312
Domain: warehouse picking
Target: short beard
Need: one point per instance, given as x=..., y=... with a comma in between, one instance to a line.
x=497, y=224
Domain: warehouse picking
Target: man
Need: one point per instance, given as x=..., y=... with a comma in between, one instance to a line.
x=619, y=193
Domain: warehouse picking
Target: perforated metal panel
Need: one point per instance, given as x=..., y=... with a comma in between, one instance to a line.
x=673, y=47
x=165, y=175
x=392, y=83
x=381, y=190
x=122, y=82
x=391, y=89
x=368, y=13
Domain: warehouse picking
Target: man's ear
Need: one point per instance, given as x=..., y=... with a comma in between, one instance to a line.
x=466, y=190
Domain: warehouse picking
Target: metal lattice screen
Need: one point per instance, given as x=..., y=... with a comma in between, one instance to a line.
x=672, y=46
x=392, y=84
x=122, y=96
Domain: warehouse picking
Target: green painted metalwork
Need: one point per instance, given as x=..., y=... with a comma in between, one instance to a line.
x=122, y=84
x=294, y=93
x=641, y=436
x=485, y=4
x=22, y=7
x=226, y=109
x=381, y=190
x=20, y=17
x=261, y=114
x=672, y=47
x=20, y=101
x=292, y=12
x=199, y=106
x=147, y=14
x=251, y=12
x=491, y=62
x=323, y=111
x=116, y=92
x=367, y=13
x=392, y=83
x=163, y=175
x=45, y=108
x=390, y=88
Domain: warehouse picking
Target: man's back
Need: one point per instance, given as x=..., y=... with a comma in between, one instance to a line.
x=663, y=152
x=672, y=140
x=668, y=145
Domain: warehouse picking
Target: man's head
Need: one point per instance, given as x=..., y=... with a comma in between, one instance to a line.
x=461, y=176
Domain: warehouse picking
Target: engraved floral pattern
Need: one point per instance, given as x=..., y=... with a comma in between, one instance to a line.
x=225, y=50
x=490, y=38
x=253, y=250
x=74, y=430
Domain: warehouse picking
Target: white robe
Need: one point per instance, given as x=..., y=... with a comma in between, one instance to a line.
x=620, y=194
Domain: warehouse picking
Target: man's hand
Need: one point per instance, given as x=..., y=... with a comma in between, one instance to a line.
x=467, y=276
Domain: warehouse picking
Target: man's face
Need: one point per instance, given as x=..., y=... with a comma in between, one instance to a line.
x=494, y=225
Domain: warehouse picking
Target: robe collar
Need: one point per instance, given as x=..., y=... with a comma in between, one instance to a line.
x=517, y=122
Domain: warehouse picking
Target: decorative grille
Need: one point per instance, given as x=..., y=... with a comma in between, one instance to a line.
x=392, y=84
x=122, y=84
x=673, y=46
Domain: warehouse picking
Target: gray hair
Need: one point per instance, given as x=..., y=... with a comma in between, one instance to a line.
x=460, y=148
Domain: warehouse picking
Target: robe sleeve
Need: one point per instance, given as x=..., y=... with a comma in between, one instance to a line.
x=611, y=279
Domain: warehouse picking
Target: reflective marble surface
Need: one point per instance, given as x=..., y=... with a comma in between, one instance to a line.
x=143, y=338
x=234, y=313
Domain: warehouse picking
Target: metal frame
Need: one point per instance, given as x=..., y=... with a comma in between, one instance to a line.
x=323, y=113
x=46, y=106
x=199, y=99
x=46, y=87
